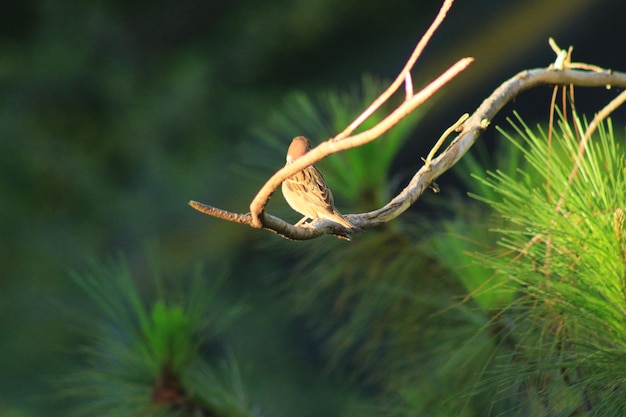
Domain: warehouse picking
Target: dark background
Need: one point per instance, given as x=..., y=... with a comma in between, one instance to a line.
x=114, y=114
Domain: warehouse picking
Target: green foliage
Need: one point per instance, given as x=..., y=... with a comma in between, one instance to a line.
x=564, y=251
x=387, y=312
x=144, y=353
x=455, y=247
x=441, y=324
x=167, y=335
x=469, y=230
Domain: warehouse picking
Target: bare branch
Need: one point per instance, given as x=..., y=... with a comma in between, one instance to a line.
x=603, y=114
x=561, y=72
x=472, y=128
x=478, y=122
x=274, y=224
x=221, y=214
x=403, y=77
x=408, y=86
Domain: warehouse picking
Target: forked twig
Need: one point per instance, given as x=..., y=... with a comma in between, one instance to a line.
x=403, y=77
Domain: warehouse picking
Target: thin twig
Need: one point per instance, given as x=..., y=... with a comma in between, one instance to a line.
x=454, y=128
x=408, y=86
x=582, y=146
x=220, y=213
x=403, y=77
x=603, y=114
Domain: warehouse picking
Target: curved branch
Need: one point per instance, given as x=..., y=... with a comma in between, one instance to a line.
x=471, y=130
x=478, y=122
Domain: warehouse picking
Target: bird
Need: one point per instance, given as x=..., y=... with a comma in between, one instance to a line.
x=307, y=192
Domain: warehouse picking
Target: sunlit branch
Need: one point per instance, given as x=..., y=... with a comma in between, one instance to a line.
x=471, y=129
x=403, y=77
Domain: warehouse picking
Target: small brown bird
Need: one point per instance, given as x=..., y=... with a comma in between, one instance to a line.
x=307, y=192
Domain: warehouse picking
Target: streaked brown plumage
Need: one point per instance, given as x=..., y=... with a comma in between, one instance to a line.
x=307, y=192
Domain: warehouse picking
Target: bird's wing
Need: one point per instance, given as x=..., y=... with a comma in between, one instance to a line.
x=310, y=184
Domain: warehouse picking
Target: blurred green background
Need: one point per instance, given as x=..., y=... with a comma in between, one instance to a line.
x=114, y=114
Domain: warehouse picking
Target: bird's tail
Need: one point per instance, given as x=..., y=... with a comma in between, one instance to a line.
x=338, y=218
